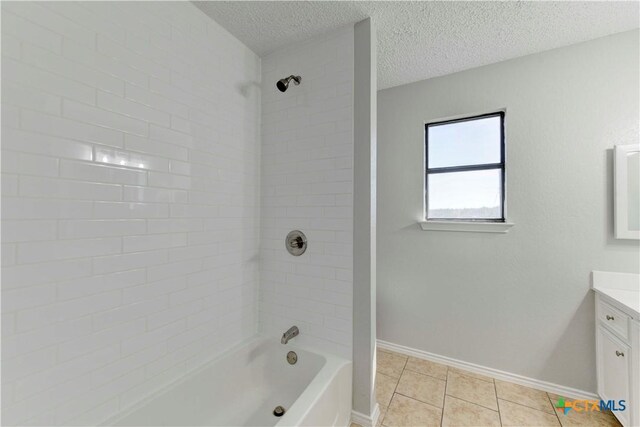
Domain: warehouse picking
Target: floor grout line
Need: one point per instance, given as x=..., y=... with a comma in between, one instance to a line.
x=470, y=374
x=418, y=400
x=425, y=375
x=555, y=411
x=526, y=406
x=444, y=398
x=495, y=393
x=495, y=390
x=394, y=389
x=473, y=403
x=495, y=387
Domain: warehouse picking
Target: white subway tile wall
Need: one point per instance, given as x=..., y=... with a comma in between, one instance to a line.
x=131, y=202
x=307, y=184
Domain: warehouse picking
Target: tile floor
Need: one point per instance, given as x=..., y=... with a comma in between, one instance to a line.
x=415, y=392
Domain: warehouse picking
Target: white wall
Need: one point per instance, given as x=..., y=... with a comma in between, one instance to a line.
x=307, y=184
x=518, y=302
x=130, y=216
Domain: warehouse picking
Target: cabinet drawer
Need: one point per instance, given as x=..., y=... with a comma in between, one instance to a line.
x=616, y=320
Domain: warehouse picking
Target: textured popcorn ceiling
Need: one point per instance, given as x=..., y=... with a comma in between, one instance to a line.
x=419, y=40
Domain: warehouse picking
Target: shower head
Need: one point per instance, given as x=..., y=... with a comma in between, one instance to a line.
x=283, y=84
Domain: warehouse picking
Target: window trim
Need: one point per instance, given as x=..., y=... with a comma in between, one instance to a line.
x=464, y=168
x=468, y=227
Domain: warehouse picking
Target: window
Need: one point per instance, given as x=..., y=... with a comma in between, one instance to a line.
x=465, y=169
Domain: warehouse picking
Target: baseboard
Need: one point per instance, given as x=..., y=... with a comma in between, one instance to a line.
x=490, y=372
x=365, y=420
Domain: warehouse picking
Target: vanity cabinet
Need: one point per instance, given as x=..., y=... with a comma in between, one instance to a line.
x=615, y=358
x=618, y=342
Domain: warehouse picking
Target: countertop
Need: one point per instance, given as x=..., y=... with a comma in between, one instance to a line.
x=621, y=289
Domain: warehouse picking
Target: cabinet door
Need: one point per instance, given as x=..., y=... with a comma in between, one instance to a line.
x=613, y=371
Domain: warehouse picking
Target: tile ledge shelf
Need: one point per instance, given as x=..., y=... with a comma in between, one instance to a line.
x=466, y=226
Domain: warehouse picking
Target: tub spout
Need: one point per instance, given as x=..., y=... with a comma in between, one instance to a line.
x=291, y=333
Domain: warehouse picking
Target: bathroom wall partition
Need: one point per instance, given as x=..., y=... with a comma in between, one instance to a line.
x=130, y=210
x=365, y=407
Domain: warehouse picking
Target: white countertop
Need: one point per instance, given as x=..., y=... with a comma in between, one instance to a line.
x=623, y=289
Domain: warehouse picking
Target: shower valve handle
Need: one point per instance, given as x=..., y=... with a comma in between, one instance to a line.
x=297, y=242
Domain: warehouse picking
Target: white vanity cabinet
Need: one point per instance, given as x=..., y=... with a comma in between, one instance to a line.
x=618, y=342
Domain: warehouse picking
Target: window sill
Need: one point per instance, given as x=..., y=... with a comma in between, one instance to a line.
x=468, y=226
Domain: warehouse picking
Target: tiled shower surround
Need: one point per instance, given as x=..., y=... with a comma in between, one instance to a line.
x=307, y=184
x=131, y=209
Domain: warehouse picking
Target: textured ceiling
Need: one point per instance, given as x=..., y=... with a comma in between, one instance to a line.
x=419, y=40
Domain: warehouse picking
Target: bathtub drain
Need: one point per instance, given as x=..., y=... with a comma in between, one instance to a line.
x=279, y=411
x=292, y=358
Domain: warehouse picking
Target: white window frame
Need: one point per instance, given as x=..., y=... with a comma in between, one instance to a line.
x=489, y=225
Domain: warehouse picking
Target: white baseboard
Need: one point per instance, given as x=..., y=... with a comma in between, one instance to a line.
x=365, y=420
x=490, y=372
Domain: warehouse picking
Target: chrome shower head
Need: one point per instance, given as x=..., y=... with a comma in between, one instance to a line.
x=283, y=84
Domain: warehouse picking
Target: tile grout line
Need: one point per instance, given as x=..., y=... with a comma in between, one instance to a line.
x=495, y=389
x=395, y=388
x=495, y=393
x=404, y=368
x=418, y=400
x=420, y=373
x=427, y=375
x=444, y=397
x=525, y=406
x=470, y=374
x=555, y=411
x=476, y=404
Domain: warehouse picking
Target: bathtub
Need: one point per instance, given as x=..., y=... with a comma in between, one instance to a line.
x=244, y=386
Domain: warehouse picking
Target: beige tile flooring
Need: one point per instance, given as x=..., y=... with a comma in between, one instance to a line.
x=415, y=392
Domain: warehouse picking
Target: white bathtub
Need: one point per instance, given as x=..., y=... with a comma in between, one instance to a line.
x=243, y=387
